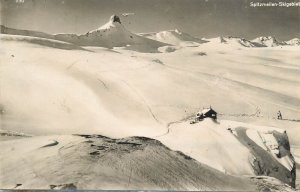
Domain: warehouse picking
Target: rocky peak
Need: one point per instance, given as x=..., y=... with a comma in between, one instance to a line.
x=115, y=18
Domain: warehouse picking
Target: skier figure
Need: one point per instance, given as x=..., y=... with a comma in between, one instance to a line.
x=279, y=116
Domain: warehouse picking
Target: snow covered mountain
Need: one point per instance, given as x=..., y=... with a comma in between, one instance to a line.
x=112, y=34
x=174, y=37
x=234, y=41
x=268, y=41
x=293, y=42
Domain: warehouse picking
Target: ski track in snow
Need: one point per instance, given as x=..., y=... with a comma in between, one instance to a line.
x=143, y=101
x=102, y=82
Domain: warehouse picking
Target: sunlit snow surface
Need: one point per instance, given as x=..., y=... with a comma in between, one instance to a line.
x=52, y=87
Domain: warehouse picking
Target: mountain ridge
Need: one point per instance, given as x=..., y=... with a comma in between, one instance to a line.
x=114, y=34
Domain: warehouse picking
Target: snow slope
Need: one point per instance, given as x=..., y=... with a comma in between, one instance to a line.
x=41, y=41
x=11, y=31
x=226, y=146
x=100, y=93
x=97, y=162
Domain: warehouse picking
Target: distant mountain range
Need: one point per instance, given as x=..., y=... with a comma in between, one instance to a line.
x=114, y=34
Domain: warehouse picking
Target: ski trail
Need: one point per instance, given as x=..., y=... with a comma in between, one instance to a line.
x=102, y=82
x=173, y=122
x=143, y=101
x=71, y=65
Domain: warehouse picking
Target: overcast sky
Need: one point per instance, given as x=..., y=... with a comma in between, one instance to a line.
x=202, y=18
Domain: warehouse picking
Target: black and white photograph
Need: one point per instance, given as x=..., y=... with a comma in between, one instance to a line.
x=150, y=95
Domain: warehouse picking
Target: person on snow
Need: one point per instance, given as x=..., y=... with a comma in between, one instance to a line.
x=279, y=116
